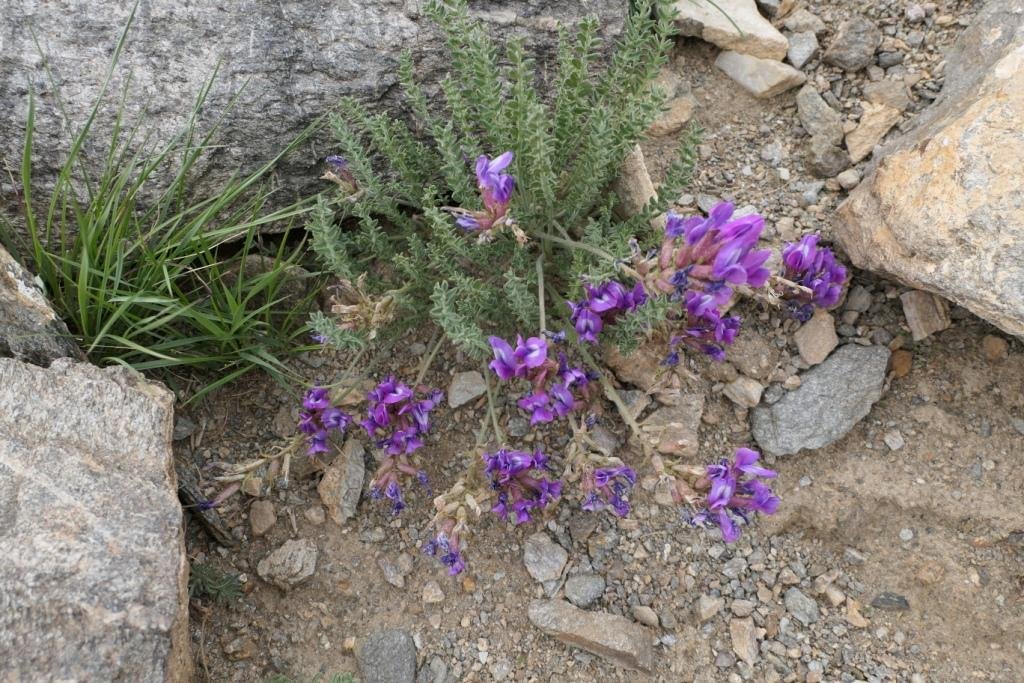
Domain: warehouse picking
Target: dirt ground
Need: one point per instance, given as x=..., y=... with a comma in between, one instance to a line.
x=922, y=499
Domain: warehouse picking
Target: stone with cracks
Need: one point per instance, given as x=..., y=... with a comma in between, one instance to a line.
x=633, y=187
x=802, y=48
x=875, y=122
x=941, y=210
x=299, y=59
x=29, y=329
x=673, y=429
x=387, y=657
x=615, y=638
x=342, y=482
x=465, y=387
x=854, y=45
x=289, y=565
x=762, y=78
x=731, y=25
x=926, y=313
x=831, y=399
x=544, y=559
x=94, y=578
x=817, y=117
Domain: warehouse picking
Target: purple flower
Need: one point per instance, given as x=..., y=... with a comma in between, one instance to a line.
x=602, y=306
x=530, y=360
x=335, y=418
x=815, y=268
x=394, y=493
x=318, y=443
x=445, y=547
x=318, y=417
x=495, y=191
x=607, y=487
x=735, y=490
x=395, y=419
x=489, y=174
x=505, y=364
x=316, y=399
x=539, y=407
x=519, y=491
x=532, y=353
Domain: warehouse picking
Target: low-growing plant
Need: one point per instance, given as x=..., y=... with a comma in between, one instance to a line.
x=160, y=280
x=500, y=216
x=207, y=581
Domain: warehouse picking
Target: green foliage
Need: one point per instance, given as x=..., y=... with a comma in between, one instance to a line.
x=206, y=581
x=155, y=280
x=568, y=148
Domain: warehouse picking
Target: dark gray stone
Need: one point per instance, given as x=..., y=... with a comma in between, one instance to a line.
x=387, y=657
x=802, y=48
x=817, y=118
x=833, y=397
x=583, y=590
x=805, y=609
x=892, y=602
x=299, y=59
x=825, y=159
x=94, y=582
x=854, y=46
x=29, y=329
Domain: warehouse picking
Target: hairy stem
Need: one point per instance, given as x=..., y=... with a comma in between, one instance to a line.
x=437, y=340
x=540, y=294
x=498, y=435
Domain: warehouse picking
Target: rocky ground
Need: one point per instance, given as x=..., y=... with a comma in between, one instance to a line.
x=897, y=551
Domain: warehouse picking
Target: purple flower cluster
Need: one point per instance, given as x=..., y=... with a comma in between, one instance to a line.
x=603, y=304
x=445, y=547
x=319, y=417
x=815, y=268
x=606, y=487
x=555, y=384
x=519, y=492
x=495, y=191
x=701, y=261
x=736, y=491
x=338, y=170
x=395, y=420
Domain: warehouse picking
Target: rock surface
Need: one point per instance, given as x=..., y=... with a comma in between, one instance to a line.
x=941, y=211
x=760, y=77
x=817, y=117
x=289, y=565
x=673, y=429
x=854, y=46
x=875, y=122
x=832, y=398
x=29, y=329
x=387, y=657
x=606, y=635
x=342, y=482
x=731, y=25
x=816, y=338
x=583, y=590
x=299, y=59
x=544, y=558
x=93, y=585
x=926, y=313
x=633, y=187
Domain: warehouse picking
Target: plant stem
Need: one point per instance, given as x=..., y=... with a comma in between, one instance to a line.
x=612, y=393
x=498, y=435
x=573, y=244
x=540, y=294
x=425, y=365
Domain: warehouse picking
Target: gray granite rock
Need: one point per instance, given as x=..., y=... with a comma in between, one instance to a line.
x=29, y=329
x=465, y=387
x=583, y=590
x=832, y=398
x=817, y=118
x=607, y=635
x=544, y=559
x=289, y=565
x=342, y=483
x=854, y=45
x=299, y=59
x=94, y=580
x=387, y=657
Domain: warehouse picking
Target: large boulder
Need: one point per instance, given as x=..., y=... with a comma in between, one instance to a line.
x=297, y=59
x=93, y=582
x=942, y=209
x=29, y=329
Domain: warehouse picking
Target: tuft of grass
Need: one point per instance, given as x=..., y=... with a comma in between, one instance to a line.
x=158, y=280
x=206, y=581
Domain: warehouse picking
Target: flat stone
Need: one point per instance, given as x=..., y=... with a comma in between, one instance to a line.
x=731, y=25
x=854, y=45
x=816, y=338
x=677, y=114
x=645, y=615
x=805, y=609
x=583, y=590
x=753, y=355
x=262, y=517
x=825, y=159
x=392, y=572
x=875, y=122
x=29, y=329
x=928, y=212
x=342, y=483
x=544, y=559
x=610, y=636
x=465, y=386
x=744, y=639
x=387, y=657
x=888, y=92
x=742, y=608
x=708, y=606
x=762, y=78
x=802, y=48
x=832, y=398
x=817, y=118
x=744, y=391
x=891, y=602
x=802, y=21
x=926, y=313
x=289, y=565
x=94, y=578
x=432, y=593
x=633, y=186
x=673, y=430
